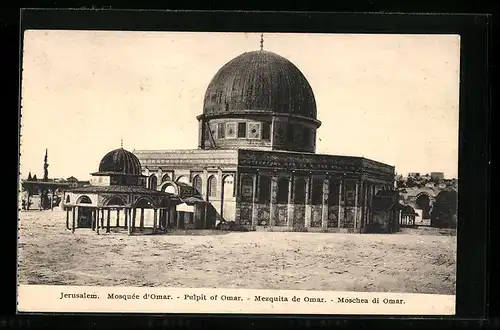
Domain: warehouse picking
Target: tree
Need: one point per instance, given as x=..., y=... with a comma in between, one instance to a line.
x=46, y=166
x=29, y=176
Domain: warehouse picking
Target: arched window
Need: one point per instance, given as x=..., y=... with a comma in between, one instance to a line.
x=153, y=182
x=282, y=197
x=228, y=189
x=300, y=190
x=264, y=189
x=212, y=187
x=197, y=184
x=165, y=177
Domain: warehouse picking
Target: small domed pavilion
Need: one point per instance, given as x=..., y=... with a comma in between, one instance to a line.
x=118, y=190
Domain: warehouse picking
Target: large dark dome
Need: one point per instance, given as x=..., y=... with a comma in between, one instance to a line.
x=259, y=81
x=120, y=161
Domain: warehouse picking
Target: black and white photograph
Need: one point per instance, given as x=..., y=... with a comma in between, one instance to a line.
x=290, y=162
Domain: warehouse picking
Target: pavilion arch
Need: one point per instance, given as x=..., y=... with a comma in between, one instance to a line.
x=144, y=201
x=165, y=178
x=83, y=199
x=169, y=187
x=114, y=200
x=182, y=179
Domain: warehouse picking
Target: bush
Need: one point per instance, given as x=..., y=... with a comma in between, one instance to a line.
x=375, y=227
x=299, y=229
x=230, y=226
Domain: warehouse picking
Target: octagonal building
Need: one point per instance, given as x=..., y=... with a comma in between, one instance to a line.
x=256, y=162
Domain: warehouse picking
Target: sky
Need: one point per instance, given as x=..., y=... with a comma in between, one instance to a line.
x=391, y=98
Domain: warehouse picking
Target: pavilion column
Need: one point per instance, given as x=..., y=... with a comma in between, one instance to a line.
x=364, y=201
x=155, y=219
x=273, y=210
x=356, y=204
x=291, y=200
x=108, y=222
x=118, y=218
x=67, y=219
x=126, y=217
x=141, y=223
x=174, y=217
x=166, y=214
x=128, y=221
x=102, y=219
x=308, y=210
x=134, y=214
x=324, y=205
x=369, y=203
x=97, y=221
x=340, y=215
x=73, y=209
x=94, y=219
x=254, y=200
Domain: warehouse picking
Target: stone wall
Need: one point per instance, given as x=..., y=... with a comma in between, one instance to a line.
x=262, y=213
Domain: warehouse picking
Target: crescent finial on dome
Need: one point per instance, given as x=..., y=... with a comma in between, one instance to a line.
x=262, y=41
x=121, y=143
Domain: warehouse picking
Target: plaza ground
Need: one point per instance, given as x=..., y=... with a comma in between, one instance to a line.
x=416, y=261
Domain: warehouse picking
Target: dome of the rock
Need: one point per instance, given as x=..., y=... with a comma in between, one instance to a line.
x=259, y=81
x=120, y=161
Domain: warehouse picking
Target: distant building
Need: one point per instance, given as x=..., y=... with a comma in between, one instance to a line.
x=75, y=183
x=437, y=175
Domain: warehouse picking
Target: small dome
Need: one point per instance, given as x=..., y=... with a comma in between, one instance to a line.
x=120, y=161
x=259, y=81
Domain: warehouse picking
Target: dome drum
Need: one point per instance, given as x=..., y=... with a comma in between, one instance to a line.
x=258, y=132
